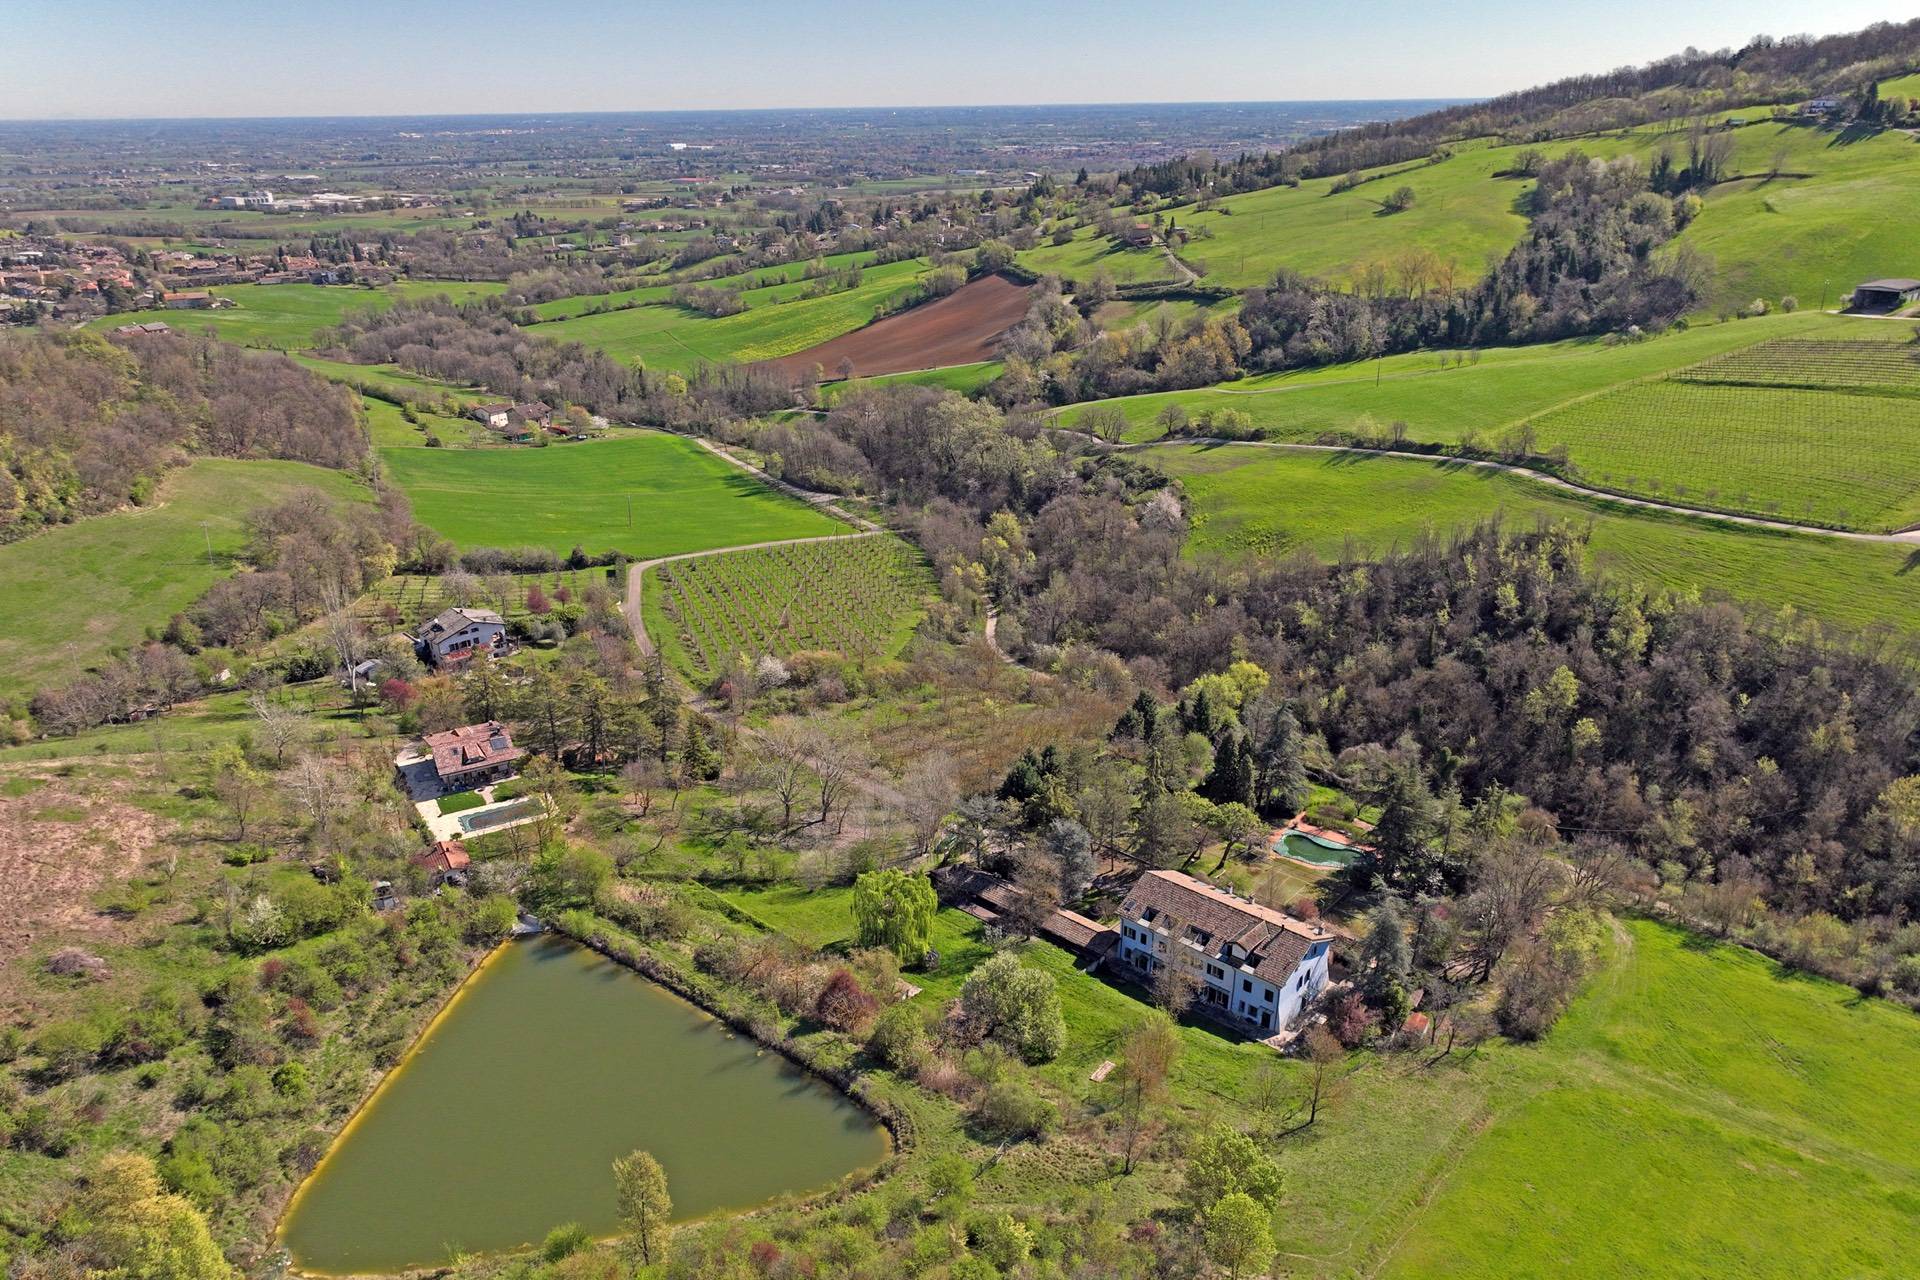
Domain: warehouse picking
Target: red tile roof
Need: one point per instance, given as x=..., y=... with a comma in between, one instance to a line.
x=444, y=855
x=472, y=747
x=1271, y=943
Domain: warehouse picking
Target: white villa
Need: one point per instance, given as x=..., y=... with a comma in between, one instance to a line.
x=1254, y=966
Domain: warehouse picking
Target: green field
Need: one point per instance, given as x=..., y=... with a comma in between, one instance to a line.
x=1834, y=216
x=682, y=497
x=1270, y=502
x=1090, y=253
x=857, y=596
x=1463, y=212
x=664, y=336
x=1824, y=457
x=79, y=592
x=967, y=379
x=762, y=284
x=1695, y=1113
x=1442, y=396
x=287, y=316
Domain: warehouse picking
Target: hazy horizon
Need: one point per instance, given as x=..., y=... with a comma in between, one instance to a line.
x=236, y=59
x=557, y=113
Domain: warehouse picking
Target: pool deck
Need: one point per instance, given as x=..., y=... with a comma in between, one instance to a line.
x=469, y=822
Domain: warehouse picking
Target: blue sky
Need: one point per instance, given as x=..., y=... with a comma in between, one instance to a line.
x=369, y=57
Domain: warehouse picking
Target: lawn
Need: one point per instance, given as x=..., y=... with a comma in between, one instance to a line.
x=777, y=323
x=682, y=498
x=287, y=316
x=1248, y=500
x=79, y=592
x=1696, y=1113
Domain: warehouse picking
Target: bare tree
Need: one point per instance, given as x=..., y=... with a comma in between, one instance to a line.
x=928, y=793
x=1324, y=1055
x=315, y=788
x=344, y=634
x=1146, y=1060
x=280, y=724
x=1513, y=887
x=778, y=760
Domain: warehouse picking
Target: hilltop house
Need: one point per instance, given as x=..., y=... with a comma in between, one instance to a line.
x=1252, y=966
x=1885, y=295
x=473, y=755
x=457, y=634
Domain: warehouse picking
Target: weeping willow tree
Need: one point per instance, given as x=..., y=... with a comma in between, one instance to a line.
x=895, y=910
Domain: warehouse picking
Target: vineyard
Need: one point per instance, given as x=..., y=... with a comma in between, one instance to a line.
x=1824, y=432
x=856, y=596
x=1891, y=366
x=409, y=599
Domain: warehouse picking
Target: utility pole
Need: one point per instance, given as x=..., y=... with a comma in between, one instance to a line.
x=207, y=536
x=629, y=511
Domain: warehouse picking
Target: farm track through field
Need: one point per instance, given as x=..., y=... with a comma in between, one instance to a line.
x=636, y=575
x=1902, y=538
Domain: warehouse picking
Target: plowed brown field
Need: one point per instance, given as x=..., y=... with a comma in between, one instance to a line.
x=960, y=328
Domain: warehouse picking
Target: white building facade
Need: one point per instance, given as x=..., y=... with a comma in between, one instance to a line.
x=1250, y=964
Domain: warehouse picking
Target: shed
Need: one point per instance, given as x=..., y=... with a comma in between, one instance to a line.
x=1885, y=295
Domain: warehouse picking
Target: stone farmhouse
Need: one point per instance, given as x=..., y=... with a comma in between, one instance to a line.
x=1251, y=965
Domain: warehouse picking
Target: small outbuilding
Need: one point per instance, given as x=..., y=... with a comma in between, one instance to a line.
x=444, y=861
x=1885, y=295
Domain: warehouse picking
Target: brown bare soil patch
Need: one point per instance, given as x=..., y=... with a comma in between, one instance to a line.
x=60, y=844
x=961, y=328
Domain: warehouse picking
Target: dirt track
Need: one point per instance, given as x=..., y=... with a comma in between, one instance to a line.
x=960, y=328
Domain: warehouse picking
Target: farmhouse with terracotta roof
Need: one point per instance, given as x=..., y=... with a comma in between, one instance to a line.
x=1254, y=966
x=473, y=755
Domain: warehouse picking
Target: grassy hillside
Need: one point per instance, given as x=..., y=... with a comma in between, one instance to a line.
x=664, y=336
x=1090, y=253
x=1815, y=236
x=1696, y=1113
x=1833, y=215
x=1689, y=1081
x=760, y=279
x=1498, y=388
x=1465, y=209
x=288, y=316
x=1808, y=416
x=1250, y=500
x=682, y=497
x=78, y=592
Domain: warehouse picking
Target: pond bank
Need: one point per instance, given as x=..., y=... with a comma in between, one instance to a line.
x=504, y=1120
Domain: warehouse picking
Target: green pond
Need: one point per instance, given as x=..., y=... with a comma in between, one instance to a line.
x=505, y=1120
